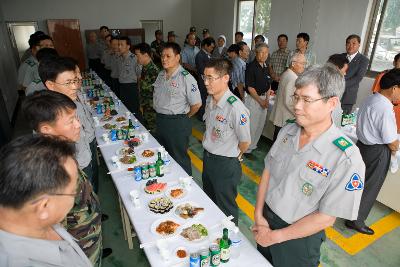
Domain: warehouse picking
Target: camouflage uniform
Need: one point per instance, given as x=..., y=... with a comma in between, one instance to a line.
x=83, y=221
x=147, y=78
x=157, y=47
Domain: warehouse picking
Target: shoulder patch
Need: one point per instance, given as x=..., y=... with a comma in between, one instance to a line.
x=342, y=143
x=290, y=120
x=243, y=119
x=231, y=99
x=185, y=72
x=355, y=183
x=30, y=62
x=37, y=81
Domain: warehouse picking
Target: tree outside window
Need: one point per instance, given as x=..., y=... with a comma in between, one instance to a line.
x=384, y=38
x=250, y=24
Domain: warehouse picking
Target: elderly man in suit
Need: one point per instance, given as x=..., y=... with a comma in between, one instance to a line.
x=358, y=64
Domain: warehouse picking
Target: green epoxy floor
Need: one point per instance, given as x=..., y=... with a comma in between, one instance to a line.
x=383, y=252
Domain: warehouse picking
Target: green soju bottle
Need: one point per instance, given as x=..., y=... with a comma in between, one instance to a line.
x=159, y=166
x=131, y=130
x=224, y=245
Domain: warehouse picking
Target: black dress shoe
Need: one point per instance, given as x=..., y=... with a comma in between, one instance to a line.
x=361, y=229
x=106, y=252
x=104, y=217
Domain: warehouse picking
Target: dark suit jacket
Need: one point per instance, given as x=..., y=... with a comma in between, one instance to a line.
x=201, y=60
x=357, y=69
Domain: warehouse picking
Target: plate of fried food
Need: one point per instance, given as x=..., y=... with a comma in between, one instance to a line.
x=176, y=192
x=165, y=227
x=147, y=153
x=120, y=119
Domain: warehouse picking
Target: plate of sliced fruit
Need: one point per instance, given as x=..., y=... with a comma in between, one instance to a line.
x=154, y=187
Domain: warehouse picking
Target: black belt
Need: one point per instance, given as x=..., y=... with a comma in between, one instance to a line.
x=211, y=155
x=375, y=145
x=172, y=116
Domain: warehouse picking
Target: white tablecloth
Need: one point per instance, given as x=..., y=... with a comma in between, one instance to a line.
x=142, y=218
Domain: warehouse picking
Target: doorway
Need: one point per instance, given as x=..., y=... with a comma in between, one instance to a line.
x=150, y=26
x=20, y=33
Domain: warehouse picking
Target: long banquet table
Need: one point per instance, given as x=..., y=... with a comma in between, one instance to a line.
x=142, y=219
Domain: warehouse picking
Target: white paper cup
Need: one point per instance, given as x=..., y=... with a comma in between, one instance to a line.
x=145, y=137
x=186, y=182
x=162, y=244
x=114, y=159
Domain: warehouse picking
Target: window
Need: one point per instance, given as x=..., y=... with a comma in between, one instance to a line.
x=253, y=18
x=384, y=35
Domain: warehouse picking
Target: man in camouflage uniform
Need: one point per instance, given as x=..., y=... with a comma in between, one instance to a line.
x=83, y=221
x=157, y=46
x=147, y=78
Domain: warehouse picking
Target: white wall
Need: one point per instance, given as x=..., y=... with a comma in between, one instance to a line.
x=327, y=22
x=219, y=16
x=176, y=14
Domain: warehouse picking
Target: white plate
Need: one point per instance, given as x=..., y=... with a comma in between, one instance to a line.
x=156, y=223
x=119, y=151
x=123, y=121
x=168, y=191
x=134, y=163
x=197, y=240
x=155, y=194
x=181, y=248
x=158, y=214
x=149, y=158
x=200, y=214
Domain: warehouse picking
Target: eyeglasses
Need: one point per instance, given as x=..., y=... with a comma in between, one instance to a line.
x=209, y=78
x=296, y=98
x=78, y=192
x=302, y=63
x=70, y=82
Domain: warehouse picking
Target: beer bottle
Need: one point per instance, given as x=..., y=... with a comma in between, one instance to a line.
x=159, y=166
x=224, y=244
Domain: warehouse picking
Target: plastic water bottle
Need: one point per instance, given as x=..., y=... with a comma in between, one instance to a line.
x=167, y=162
x=394, y=164
x=355, y=114
x=136, y=124
x=236, y=240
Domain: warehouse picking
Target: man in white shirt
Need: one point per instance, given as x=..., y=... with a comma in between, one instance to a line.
x=283, y=106
x=377, y=139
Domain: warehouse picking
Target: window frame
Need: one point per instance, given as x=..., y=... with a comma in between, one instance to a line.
x=254, y=19
x=372, y=40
